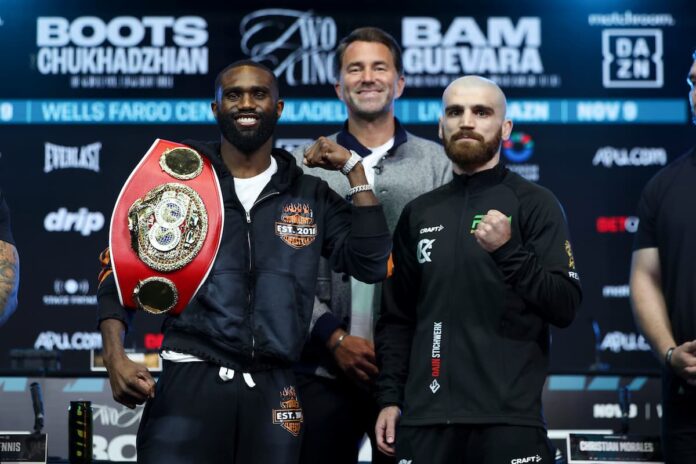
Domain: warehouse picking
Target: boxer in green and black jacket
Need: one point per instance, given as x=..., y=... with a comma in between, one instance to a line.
x=482, y=266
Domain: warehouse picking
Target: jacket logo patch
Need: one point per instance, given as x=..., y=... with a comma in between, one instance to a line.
x=425, y=247
x=569, y=252
x=296, y=226
x=289, y=416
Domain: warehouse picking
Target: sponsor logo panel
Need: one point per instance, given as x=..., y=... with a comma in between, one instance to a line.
x=629, y=157
x=505, y=49
x=58, y=157
x=83, y=221
x=617, y=224
x=297, y=45
x=63, y=341
x=122, y=52
x=632, y=48
x=619, y=342
x=70, y=292
x=518, y=149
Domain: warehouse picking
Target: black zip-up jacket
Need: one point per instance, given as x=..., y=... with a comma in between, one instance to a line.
x=254, y=309
x=463, y=334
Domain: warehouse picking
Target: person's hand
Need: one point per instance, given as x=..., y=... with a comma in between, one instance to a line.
x=684, y=362
x=327, y=154
x=355, y=356
x=493, y=231
x=385, y=429
x=131, y=383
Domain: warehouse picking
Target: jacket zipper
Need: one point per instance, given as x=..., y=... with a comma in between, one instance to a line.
x=250, y=287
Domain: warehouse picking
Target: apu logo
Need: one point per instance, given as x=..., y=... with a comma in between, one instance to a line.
x=616, y=342
x=637, y=156
x=632, y=58
x=617, y=224
x=61, y=157
x=424, y=249
x=82, y=221
x=65, y=341
x=297, y=44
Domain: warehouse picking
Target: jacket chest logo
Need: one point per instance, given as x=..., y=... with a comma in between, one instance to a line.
x=425, y=247
x=296, y=226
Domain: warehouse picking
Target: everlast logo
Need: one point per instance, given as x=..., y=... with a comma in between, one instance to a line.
x=82, y=221
x=60, y=157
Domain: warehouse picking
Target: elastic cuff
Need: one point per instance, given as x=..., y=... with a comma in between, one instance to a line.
x=325, y=326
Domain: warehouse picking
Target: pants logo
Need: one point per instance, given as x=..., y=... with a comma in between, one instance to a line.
x=425, y=247
x=435, y=386
x=289, y=416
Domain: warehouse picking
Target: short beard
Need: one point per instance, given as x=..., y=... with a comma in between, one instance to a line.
x=247, y=141
x=474, y=155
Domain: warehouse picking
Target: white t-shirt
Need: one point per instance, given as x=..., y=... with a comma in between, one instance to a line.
x=370, y=161
x=362, y=294
x=248, y=191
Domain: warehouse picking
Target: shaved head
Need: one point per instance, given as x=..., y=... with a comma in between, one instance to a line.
x=477, y=83
x=473, y=124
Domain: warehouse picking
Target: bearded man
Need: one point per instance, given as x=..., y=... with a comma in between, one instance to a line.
x=482, y=266
x=227, y=392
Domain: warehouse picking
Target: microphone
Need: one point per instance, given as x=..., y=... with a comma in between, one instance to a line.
x=37, y=403
x=625, y=405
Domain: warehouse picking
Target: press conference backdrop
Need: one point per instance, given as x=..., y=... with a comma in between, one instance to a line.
x=596, y=90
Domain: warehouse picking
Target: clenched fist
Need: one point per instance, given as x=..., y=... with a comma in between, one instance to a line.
x=493, y=231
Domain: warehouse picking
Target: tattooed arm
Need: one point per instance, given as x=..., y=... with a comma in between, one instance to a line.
x=9, y=280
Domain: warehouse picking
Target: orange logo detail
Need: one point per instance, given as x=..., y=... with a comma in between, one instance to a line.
x=289, y=416
x=296, y=226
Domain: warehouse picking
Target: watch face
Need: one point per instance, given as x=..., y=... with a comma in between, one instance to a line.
x=181, y=163
x=156, y=295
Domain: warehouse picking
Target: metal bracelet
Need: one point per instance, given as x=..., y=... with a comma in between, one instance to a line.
x=359, y=188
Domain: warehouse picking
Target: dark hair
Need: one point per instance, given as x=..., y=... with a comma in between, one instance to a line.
x=369, y=34
x=240, y=63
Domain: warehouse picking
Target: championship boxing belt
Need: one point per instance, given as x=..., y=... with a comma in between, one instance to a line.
x=166, y=229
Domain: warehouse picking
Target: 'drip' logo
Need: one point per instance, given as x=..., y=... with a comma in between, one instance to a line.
x=632, y=58
x=296, y=226
x=82, y=221
x=295, y=44
x=289, y=416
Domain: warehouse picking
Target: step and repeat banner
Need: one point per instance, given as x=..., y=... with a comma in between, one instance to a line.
x=597, y=93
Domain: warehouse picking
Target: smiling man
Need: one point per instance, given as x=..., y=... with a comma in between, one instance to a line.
x=482, y=267
x=337, y=370
x=227, y=392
